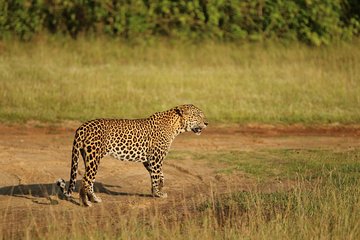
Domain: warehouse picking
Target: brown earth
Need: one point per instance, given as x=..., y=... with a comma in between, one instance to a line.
x=33, y=156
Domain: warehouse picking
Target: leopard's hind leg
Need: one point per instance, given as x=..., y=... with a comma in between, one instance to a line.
x=87, y=194
x=91, y=195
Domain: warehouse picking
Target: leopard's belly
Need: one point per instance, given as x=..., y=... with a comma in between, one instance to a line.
x=130, y=153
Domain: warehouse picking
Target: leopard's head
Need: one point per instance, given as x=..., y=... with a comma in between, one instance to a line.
x=193, y=118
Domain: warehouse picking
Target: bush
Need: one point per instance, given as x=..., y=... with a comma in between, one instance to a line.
x=315, y=22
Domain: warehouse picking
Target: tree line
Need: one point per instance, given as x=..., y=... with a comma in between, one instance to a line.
x=314, y=22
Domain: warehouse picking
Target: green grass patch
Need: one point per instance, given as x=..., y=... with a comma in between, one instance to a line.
x=281, y=163
x=57, y=79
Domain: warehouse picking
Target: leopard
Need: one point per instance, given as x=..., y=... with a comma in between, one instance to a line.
x=146, y=140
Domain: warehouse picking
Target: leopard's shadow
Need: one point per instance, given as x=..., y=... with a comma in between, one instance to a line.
x=42, y=193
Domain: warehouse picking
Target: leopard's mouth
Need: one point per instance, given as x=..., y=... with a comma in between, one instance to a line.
x=197, y=130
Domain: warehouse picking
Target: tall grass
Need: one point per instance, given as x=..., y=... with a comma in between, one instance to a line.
x=54, y=80
x=327, y=208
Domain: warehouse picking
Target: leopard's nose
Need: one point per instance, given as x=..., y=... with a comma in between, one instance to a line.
x=206, y=123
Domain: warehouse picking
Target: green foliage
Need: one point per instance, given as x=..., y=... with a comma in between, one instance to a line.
x=71, y=17
x=22, y=18
x=316, y=22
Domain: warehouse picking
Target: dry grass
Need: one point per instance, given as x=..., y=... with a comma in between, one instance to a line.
x=54, y=80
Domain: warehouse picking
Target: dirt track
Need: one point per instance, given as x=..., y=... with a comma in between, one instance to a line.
x=32, y=158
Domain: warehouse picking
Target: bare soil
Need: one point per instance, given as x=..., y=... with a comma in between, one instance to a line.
x=34, y=156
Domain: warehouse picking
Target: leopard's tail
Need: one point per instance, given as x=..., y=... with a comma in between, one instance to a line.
x=74, y=170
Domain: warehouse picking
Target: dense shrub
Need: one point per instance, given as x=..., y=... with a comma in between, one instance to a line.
x=312, y=21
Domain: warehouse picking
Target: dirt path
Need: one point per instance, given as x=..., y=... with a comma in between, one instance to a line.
x=32, y=158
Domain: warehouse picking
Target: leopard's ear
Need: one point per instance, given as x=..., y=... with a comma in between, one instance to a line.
x=181, y=110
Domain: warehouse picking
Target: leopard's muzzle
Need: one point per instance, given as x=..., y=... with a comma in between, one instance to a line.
x=197, y=130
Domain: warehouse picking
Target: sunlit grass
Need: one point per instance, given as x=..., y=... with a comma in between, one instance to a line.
x=54, y=80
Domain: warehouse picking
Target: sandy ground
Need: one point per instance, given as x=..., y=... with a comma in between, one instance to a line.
x=32, y=157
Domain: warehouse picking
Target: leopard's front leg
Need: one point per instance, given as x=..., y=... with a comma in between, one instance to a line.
x=161, y=181
x=157, y=178
x=156, y=185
